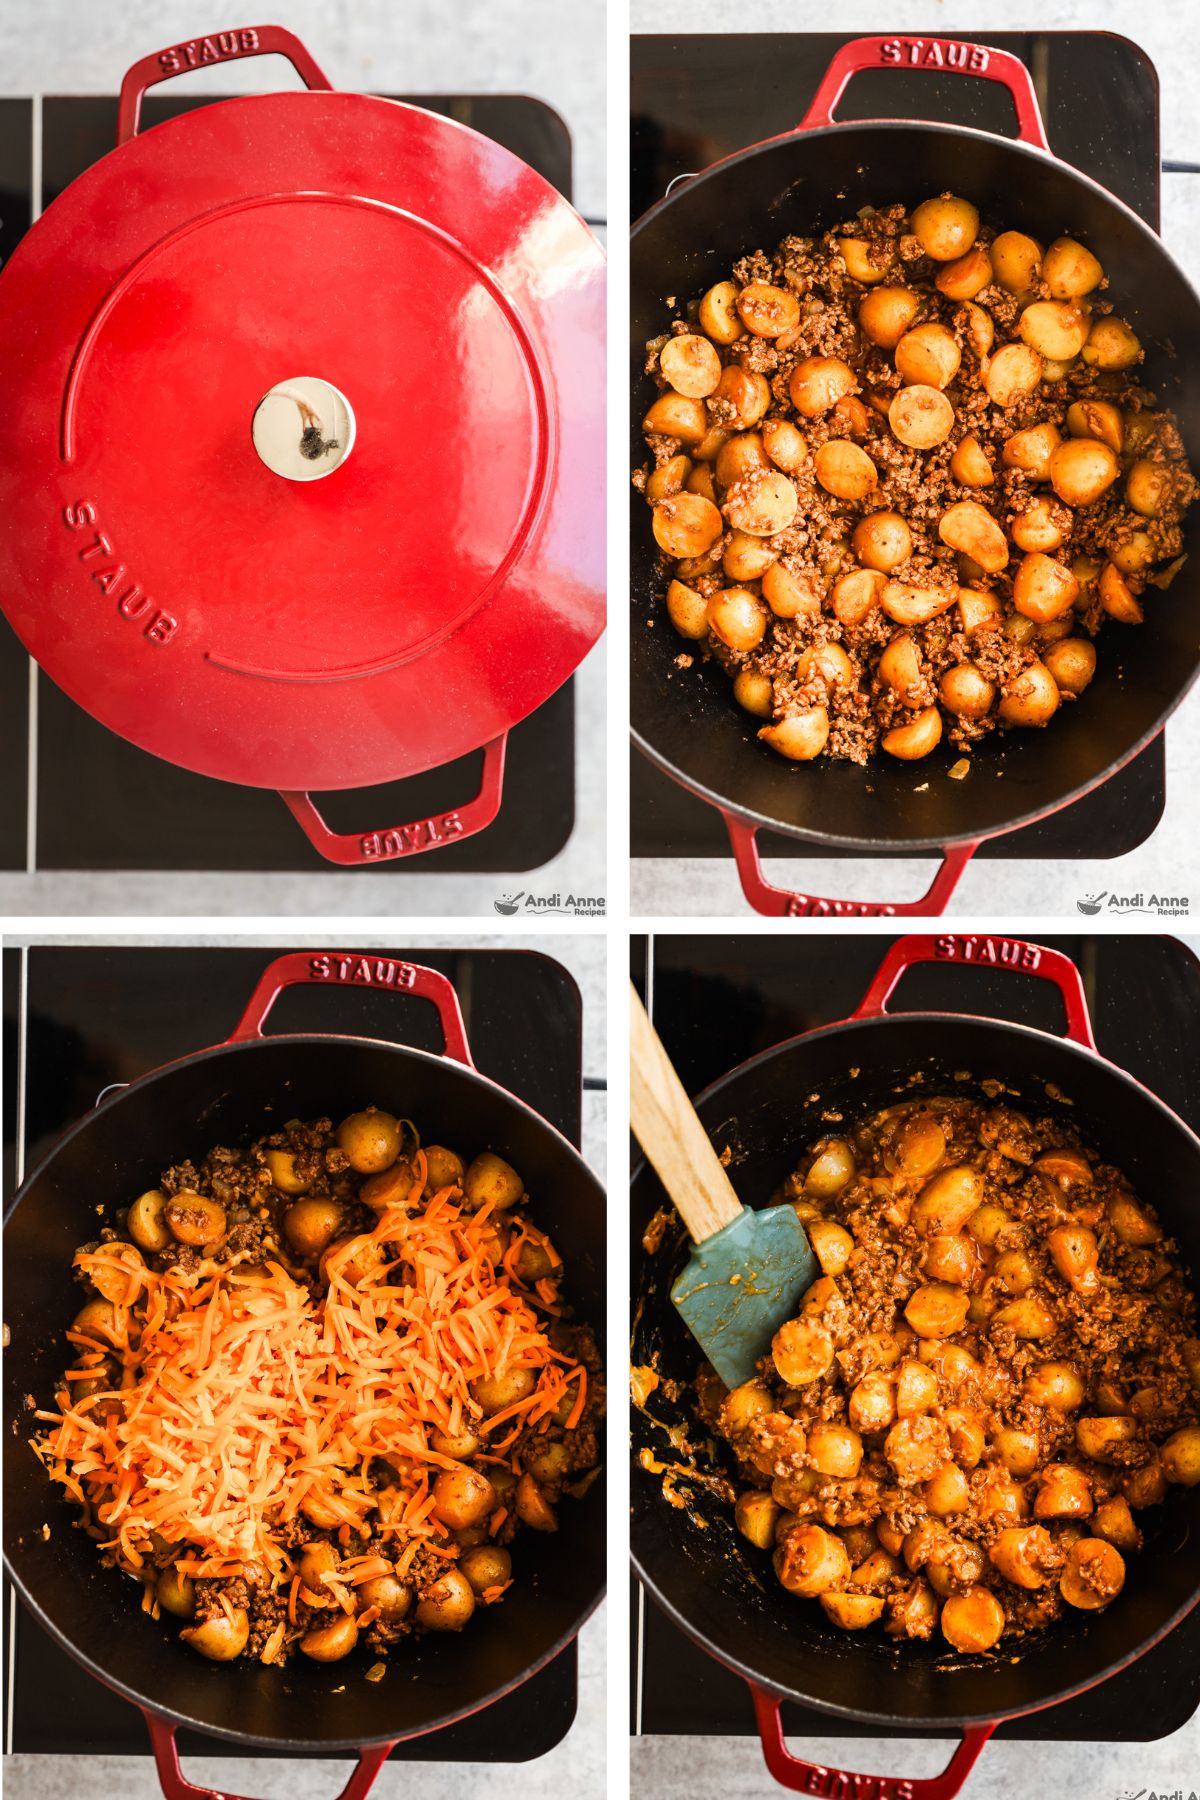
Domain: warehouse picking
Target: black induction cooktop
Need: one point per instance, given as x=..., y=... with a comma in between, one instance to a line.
x=76, y=1021
x=716, y=1002
x=694, y=99
x=76, y=796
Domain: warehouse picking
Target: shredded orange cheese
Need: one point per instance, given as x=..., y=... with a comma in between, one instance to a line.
x=245, y=1399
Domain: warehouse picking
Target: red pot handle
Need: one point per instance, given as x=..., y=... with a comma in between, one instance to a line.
x=781, y=903
x=355, y=850
x=358, y=969
x=176, y=1786
x=814, y=1778
x=204, y=53
x=945, y=55
x=990, y=953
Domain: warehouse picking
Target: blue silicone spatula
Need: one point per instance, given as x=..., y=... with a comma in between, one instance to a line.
x=749, y=1269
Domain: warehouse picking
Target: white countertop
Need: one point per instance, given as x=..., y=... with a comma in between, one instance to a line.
x=1169, y=861
x=424, y=46
x=673, y=1768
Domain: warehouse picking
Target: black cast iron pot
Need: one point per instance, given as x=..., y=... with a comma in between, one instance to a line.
x=231, y=1094
x=714, y=1585
x=805, y=182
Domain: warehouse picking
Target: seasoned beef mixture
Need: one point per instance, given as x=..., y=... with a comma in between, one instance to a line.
x=900, y=476
x=995, y=1372
x=318, y=1385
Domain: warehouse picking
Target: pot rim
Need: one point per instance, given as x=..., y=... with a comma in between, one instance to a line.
x=321, y=1746
x=912, y=846
x=939, y=840
x=993, y=139
x=470, y=1075
x=213, y=1051
x=752, y=1676
x=933, y=1015
x=933, y=1722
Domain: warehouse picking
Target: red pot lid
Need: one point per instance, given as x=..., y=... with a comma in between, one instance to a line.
x=304, y=407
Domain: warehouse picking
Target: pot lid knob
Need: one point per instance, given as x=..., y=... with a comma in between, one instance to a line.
x=303, y=428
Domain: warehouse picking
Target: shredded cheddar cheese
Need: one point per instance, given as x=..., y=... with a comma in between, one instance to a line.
x=246, y=1399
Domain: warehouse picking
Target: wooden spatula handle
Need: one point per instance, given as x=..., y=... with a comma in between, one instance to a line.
x=665, y=1124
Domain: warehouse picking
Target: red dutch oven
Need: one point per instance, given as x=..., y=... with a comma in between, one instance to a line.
x=309, y=394
x=695, y=1563
x=232, y=1093
x=807, y=180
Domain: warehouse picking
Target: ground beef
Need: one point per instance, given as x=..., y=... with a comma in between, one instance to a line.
x=241, y=1182
x=270, y=1609
x=855, y=705
x=962, y=1456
